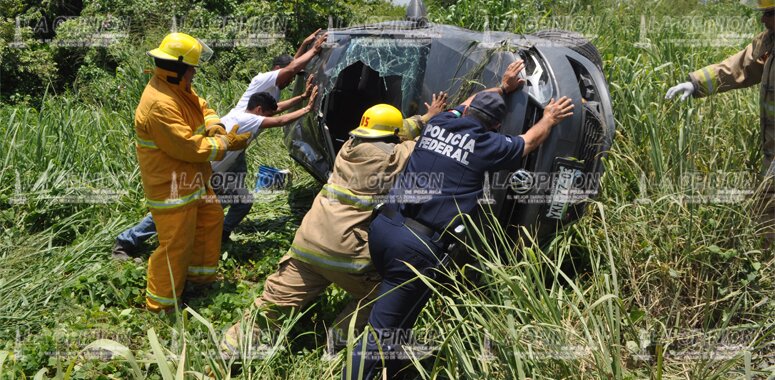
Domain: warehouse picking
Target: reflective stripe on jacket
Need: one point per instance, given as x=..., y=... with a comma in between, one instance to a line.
x=173, y=153
x=750, y=66
x=334, y=233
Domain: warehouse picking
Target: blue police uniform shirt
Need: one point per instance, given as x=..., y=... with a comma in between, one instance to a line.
x=445, y=173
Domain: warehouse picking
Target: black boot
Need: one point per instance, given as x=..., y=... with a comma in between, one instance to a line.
x=226, y=238
x=123, y=251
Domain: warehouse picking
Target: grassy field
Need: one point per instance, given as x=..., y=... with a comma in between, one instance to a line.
x=663, y=278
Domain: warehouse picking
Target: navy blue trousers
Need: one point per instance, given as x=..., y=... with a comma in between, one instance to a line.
x=402, y=295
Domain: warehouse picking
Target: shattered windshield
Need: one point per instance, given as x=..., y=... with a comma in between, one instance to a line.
x=388, y=57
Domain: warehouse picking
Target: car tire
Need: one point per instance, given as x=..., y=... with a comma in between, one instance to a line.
x=574, y=41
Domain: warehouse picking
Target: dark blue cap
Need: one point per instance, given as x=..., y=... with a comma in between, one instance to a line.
x=490, y=104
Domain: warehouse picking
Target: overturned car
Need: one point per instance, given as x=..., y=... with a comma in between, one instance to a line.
x=403, y=62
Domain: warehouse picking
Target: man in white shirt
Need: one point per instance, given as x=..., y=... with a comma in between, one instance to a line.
x=229, y=173
x=284, y=69
x=232, y=169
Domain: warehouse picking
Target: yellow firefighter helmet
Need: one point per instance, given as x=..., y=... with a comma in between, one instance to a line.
x=182, y=47
x=379, y=121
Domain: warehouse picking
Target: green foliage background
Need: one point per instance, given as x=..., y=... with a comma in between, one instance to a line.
x=28, y=73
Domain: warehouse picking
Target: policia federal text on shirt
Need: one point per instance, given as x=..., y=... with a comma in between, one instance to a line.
x=412, y=234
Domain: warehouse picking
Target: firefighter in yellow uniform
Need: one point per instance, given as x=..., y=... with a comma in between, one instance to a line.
x=178, y=135
x=331, y=244
x=750, y=66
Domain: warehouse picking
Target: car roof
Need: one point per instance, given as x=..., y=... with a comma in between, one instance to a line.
x=405, y=29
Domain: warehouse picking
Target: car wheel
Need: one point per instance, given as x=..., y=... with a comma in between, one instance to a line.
x=574, y=41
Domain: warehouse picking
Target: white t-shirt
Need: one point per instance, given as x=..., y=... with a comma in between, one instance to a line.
x=264, y=82
x=247, y=122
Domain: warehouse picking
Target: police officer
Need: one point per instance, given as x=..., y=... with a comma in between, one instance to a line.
x=457, y=146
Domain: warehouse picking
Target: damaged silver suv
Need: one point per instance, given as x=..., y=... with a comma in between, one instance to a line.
x=403, y=62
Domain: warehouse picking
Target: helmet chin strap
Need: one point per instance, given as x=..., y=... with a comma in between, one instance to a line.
x=180, y=74
x=174, y=80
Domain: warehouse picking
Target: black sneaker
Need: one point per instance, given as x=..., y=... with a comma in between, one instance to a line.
x=123, y=252
x=194, y=290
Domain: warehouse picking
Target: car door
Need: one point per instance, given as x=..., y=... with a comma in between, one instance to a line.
x=308, y=139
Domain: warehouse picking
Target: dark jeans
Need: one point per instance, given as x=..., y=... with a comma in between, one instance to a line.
x=230, y=188
x=402, y=295
x=232, y=193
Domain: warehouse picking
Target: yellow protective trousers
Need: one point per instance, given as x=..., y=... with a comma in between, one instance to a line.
x=189, y=248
